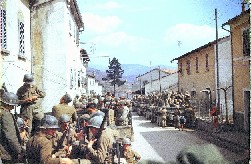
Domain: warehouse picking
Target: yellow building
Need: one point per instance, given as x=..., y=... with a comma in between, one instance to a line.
x=240, y=45
x=197, y=76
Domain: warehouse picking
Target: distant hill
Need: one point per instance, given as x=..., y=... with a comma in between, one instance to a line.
x=131, y=71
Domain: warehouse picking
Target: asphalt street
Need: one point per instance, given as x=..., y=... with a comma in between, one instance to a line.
x=163, y=144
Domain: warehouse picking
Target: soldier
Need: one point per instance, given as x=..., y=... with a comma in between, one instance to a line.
x=122, y=114
x=39, y=147
x=100, y=144
x=76, y=102
x=64, y=108
x=24, y=135
x=65, y=137
x=10, y=148
x=130, y=156
x=163, y=117
x=28, y=95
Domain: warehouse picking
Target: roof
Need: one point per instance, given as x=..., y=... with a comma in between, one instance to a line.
x=200, y=48
x=76, y=14
x=167, y=72
x=236, y=17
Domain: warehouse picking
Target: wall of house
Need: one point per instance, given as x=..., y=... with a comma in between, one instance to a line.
x=225, y=76
x=167, y=83
x=241, y=68
x=13, y=64
x=57, y=62
x=201, y=79
x=147, y=77
x=93, y=86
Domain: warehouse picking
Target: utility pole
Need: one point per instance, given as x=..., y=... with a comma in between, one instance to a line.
x=217, y=62
x=159, y=82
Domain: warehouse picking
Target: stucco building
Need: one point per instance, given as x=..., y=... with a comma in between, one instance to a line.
x=149, y=77
x=240, y=45
x=15, y=60
x=57, y=66
x=198, y=74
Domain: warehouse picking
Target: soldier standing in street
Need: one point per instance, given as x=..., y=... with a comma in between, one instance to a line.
x=28, y=95
x=39, y=147
x=10, y=148
x=163, y=117
x=64, y=108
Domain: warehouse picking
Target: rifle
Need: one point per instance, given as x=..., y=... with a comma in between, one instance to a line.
x=17, y=130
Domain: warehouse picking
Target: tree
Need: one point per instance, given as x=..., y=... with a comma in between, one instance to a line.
x=114, y=74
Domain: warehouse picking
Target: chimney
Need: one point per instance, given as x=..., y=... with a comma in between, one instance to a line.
x=243, y=6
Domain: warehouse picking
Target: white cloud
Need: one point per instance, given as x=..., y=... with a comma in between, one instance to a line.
x=100, y=24
x=191, y=36
x=118, y=39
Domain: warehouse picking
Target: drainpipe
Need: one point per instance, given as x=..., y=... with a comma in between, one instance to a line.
x=232, y=58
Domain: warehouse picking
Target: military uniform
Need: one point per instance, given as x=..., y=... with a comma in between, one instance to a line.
x=131, y=156
x=61, y=140
x=39, y=150
x=163, y=117
x=60, y=109
x=10, y=147
x=100, y=152
x=30, y=109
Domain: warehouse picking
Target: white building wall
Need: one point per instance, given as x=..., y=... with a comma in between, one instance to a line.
x=14, y=68
x=148, y=77
x=225, y=75
x=167, y=83
x=93, y=86
x=57, y=61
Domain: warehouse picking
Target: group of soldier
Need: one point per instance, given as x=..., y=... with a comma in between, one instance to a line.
x=83, y=133
x=166, y=108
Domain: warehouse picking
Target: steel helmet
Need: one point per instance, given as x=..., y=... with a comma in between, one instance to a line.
x=85, y=117
x=49, y=122
x=95, y=121
x=28, y=78
x=64, y=118
x=9, y=98
x=67, y=98
x=126, y=141
x=20, y=122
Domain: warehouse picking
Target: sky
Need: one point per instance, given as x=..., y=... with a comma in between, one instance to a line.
x=150, y=32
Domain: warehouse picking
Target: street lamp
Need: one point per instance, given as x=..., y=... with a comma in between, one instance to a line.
x=225, y=93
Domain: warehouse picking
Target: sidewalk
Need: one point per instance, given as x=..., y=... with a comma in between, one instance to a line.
x=233, y=140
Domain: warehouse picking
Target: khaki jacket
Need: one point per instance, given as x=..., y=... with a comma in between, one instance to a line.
x=60, y=109
x=9, y=144
x=39, y=150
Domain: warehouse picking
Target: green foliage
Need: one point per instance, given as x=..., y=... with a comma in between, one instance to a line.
x=114, y=73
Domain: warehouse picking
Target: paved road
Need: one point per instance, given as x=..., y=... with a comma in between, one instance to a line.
x=163, y=144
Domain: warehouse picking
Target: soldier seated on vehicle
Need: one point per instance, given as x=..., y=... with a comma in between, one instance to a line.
x=64, y=108
x=65, y=137
x=100, y=145
x=130, y=155
x=39, y=147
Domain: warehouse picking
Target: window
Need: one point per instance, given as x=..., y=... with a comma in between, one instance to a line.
x=246, y=42
x=181, y=69
x=207, y=65
x=188, y=67
x=21, y=34
x=21, y=38
x=197, y=64
x=3, y=36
